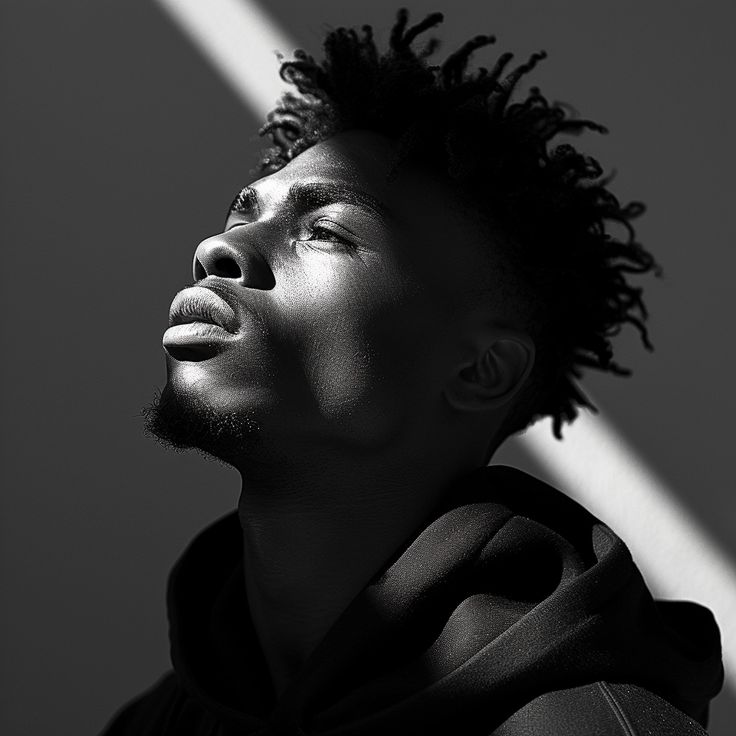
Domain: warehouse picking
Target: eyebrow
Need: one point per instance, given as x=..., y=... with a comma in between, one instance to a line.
x=313, y=194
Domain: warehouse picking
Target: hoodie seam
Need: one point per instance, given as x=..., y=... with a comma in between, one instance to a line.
x=626, y=725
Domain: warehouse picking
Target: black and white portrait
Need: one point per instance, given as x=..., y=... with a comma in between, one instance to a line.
x=368, y=369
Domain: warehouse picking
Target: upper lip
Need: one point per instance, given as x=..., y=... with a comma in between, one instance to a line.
x=202, y=304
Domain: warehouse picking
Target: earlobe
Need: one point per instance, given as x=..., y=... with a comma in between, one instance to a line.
x=494, y=377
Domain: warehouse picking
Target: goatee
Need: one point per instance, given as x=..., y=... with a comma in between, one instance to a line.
x=184, y=422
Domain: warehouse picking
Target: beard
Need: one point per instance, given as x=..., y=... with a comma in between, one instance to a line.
x=183, y=422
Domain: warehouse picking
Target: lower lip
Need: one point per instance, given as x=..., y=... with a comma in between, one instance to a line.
x=196, y=340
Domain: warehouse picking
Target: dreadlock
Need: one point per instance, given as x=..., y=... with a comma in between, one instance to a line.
x=552, y=200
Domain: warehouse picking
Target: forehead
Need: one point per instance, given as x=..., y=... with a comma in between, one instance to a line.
x=361, y=160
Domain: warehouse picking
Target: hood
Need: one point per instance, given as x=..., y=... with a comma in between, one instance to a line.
x=511, y=590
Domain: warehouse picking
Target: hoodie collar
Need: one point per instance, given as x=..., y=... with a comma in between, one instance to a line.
x=511, y=590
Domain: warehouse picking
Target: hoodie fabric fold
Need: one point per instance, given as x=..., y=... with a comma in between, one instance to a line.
x=511, y=590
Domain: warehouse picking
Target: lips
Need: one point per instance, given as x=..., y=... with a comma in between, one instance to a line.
x=201, y=325
x=198, y=304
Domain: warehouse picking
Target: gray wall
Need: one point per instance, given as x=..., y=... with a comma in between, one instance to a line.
x=120, y=149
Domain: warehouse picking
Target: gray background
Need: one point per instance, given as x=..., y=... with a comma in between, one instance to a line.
x=120, y=149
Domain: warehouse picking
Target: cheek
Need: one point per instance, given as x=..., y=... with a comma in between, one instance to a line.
x=363, y=341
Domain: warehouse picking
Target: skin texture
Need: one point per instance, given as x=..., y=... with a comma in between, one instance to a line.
x=371, y=366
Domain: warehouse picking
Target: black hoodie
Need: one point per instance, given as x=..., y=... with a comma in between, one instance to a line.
x=513, y=611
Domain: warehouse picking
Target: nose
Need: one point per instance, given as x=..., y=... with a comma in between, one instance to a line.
x=219, y=256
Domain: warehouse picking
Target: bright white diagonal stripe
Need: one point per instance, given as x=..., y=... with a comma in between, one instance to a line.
x=240, y=41
x=596, y=466
x=593, y=463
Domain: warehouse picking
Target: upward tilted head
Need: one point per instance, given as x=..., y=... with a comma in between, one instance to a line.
x=415, y=263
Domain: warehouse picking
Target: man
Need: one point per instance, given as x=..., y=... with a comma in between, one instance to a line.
x=415, y=274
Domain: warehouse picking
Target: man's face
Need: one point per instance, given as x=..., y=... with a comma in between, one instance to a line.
x=341, y=296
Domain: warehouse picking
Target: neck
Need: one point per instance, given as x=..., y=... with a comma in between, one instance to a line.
x=315, y=533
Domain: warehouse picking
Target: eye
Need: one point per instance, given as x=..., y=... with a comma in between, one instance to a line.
x=325, y=230
x=231, y=222
x=324, y=233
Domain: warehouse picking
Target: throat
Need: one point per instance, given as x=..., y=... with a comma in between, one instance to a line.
x=299, y=578
x=312, y=543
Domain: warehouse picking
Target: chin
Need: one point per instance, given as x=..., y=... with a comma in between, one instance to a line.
x=191, y=413
x=219, y=383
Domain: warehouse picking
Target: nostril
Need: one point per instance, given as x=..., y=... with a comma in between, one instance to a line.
x=228, y=268
x=224, y=266
x=199, y=270
x=217, y=258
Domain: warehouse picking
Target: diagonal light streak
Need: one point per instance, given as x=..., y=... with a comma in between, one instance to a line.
x=240, y=41
x=593, y=464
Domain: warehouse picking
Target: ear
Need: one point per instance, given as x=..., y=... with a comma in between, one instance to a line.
x=497, y=372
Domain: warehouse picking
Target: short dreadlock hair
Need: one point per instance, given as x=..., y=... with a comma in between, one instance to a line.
x=552, y=201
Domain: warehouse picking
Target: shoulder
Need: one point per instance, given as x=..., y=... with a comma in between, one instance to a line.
x=600, y=709
x=148, y=712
